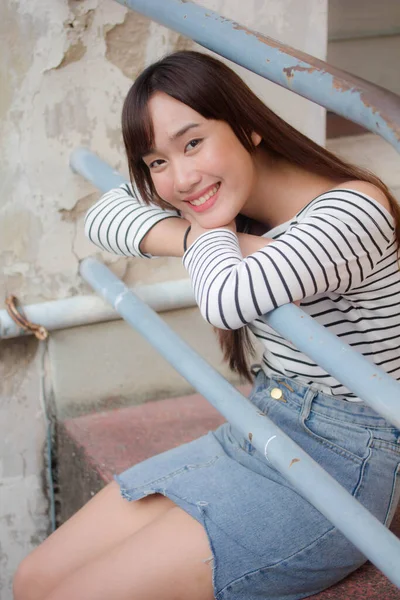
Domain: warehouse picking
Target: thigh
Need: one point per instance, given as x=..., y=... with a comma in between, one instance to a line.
x=101, y=524
x=167, y=559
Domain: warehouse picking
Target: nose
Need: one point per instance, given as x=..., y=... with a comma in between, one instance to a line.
x=186, y=177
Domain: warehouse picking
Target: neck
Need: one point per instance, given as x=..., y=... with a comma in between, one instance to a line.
x=281, y=189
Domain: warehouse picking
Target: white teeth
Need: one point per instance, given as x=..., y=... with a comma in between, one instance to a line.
x=206, y=197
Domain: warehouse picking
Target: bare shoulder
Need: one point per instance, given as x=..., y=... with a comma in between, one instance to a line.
x=369, y=189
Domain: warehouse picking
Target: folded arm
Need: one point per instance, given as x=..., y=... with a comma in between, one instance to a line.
x=120, y=222
x=333, y=247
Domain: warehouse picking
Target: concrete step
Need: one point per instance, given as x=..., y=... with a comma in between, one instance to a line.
x=91, y=448
x=124, y=369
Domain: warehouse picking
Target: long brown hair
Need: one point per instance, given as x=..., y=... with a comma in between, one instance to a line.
x=212, y=89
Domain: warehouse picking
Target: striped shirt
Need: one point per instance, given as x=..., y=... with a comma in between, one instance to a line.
x=338, y=256
x=119, y=221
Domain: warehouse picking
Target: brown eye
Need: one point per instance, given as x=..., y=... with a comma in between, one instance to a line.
x=193, y=144
x=156, y=163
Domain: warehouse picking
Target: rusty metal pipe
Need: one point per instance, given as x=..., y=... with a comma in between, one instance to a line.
x=360, y=101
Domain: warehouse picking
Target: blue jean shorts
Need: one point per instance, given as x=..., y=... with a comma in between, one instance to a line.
x=266, y=540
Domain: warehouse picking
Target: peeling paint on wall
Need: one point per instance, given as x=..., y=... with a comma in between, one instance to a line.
x=66, y=89
x=80, y=208
x=74, y=53
x=15, y=354
x=126, y=42
x=183, y=43
x=16, y=58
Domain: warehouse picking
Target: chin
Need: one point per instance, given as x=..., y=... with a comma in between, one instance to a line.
x=215, y=221
x=214, y=224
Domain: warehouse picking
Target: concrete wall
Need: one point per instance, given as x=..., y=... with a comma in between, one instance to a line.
x=301, y=25
x=23, y=506
x=364, y=35
x=65, y=67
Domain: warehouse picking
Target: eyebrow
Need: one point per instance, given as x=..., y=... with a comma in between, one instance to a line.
x=175, y=136
x=183, y=130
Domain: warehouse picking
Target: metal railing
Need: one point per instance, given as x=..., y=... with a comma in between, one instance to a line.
x=376, y=542
x=362, y=102
x=345, y=94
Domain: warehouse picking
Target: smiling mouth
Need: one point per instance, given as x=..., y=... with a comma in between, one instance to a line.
x=203, y=199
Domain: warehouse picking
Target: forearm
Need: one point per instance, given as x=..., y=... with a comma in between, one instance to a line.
x=251, y=243
x=165, y=238
x=119, y=221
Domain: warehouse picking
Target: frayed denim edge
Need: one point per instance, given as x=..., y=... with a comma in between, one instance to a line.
x=199, y=515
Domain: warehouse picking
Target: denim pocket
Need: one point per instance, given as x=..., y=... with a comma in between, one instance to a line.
x=386, y=441
x=346, y=439
x=394, y=497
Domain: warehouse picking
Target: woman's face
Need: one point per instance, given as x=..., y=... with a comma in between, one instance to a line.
x=198, y=165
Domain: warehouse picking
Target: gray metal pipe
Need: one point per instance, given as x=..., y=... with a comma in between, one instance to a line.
x=84, y=310
x=345, y=94
x=365, y=531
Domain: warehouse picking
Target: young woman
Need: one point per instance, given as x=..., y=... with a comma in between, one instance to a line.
x=274, y=219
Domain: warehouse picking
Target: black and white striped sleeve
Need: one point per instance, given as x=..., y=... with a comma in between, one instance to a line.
x=333, y=247
x=119, y=221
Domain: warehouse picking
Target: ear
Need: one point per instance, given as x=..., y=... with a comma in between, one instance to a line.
x=256, y=138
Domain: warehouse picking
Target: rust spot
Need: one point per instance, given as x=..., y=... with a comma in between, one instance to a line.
x=289, y=71
x=340, y=85
x=380, y=101
x=250, y=436
x=294, y=460
x=261, y=38
x=374, y=375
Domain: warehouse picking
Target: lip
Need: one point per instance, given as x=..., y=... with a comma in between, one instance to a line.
x=200, y=194
x=209, y=203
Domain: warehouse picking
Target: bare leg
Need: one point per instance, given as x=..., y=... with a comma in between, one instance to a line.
x=165, y=560
x=103, y=523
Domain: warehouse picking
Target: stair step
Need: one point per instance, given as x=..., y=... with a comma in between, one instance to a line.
x=114, y=440
x=93, y=447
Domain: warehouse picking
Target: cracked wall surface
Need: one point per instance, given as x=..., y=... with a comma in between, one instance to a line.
x=24, y=518
x=65, y=68
x=63, y=86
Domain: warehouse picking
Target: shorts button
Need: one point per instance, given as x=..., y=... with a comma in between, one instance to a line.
x=276, y=393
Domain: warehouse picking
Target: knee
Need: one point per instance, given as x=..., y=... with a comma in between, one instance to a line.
x=28, y=581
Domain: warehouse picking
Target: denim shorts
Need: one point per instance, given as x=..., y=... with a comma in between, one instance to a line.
x=266, y=540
